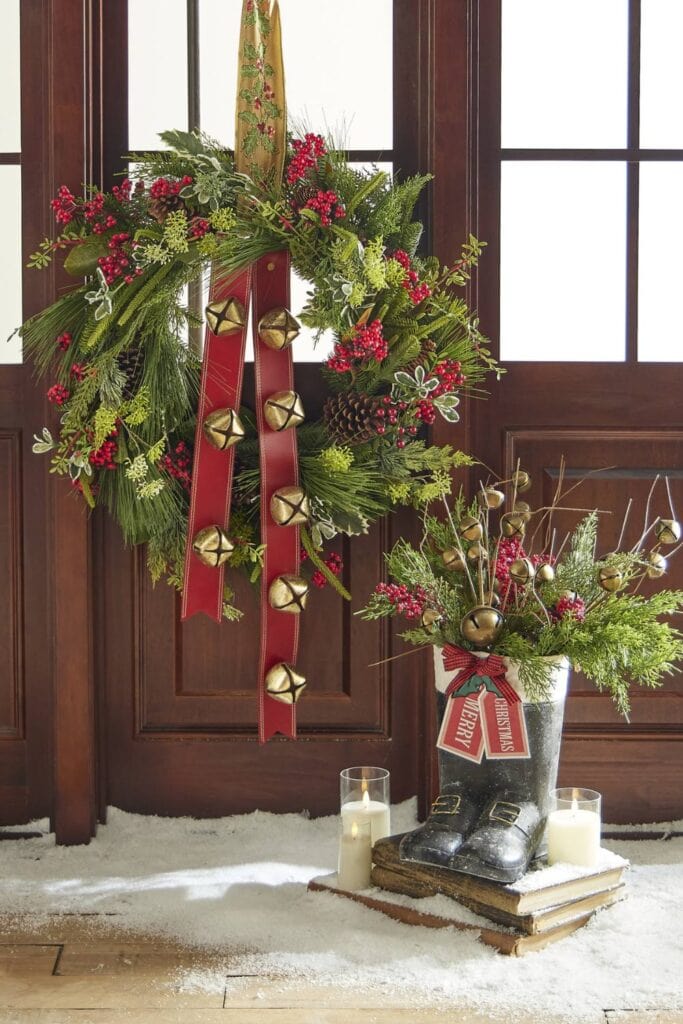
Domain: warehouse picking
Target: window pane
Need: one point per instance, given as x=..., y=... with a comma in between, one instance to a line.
x=661, y=74
x=10, y=263
x=329, y=84
x=660, y=265
x=157, y=70
x=563, y=260
x=10, y=134
x=564, y=74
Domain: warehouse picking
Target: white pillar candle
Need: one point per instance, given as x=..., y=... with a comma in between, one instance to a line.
x=374, y=811
x=574, y=836
x=355, y=858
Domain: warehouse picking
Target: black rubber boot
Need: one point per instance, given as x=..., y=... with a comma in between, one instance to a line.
x=510, y=828
x=454, y=812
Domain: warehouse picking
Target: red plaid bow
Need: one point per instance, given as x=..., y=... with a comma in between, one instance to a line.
x=470, y=665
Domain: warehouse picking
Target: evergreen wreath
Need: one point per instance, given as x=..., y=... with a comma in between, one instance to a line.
x=126, y=383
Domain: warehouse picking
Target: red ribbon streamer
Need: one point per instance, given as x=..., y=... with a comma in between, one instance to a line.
x=221, y=387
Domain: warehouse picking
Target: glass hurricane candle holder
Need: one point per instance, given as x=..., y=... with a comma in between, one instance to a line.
x=355, y=856
x=364, y=795
x=574, y=827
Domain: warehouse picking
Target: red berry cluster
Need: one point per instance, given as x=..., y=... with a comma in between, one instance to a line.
x=411, y=604
x=450, y=377
x=78, y=371
x=365, y=343
x=64, y=205
x=572, y=607
x=425, y=411
x=116, y=263
x=58, y=394
x=96, y=215
x=391, y=419
x=178, y=464
x=104, y=457
x=411, y=282
x=198, y=227
x=122, y=191
x=327, y=206
x=334, y=563
x=164, y=187
x=63, y=341
x=307, y=152
x=509, y=549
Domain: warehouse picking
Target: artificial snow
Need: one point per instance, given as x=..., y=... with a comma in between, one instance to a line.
x=238, y=886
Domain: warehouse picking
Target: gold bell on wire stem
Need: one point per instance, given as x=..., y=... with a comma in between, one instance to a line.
x=453, y=560
x=283, y=410
x=610, y=578
x=490, y=497
x=212, y=546
x=225, y=316
x=289, y=506
x=668, y=531
x=482, y=625
x=278, y=328
x=512, y=524
x=223, y=428
x=288, y=594
x=476, y=552
x=657, y=565
x=284, y=683
x=545, y=573
x=523, y=508
x=470, y=528
x=430, y=617
x=522, y=571
x=521, y=481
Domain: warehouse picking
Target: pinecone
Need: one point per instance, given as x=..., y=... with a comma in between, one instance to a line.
x=130, y=363
x=351, y=417
x=161, y=206
x=301, y=193
x=427, y=349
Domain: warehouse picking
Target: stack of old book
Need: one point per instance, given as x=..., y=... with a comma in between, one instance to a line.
x=543, y=907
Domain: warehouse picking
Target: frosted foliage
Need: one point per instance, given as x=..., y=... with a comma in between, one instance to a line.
x=563, y=261
x=661, y=74
x=564, y=73
x=238, y=886
x=660, y=333
x=326, y=85
x=157, y=70
x=10, y=263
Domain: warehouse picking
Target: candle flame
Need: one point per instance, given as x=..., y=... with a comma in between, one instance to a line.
x=366, y=800
x=363, y=785
x=354, y=830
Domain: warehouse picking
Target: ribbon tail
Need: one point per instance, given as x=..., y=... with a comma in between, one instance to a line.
x=279, y=468
x=221, y=387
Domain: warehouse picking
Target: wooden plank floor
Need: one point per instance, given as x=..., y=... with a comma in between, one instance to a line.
x=83, y=970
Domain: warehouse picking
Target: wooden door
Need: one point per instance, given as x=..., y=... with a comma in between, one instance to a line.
x=178, y=701
x=577, y=194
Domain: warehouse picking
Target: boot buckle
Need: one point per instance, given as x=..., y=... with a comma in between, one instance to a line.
x=447, y=804
x=505, y=812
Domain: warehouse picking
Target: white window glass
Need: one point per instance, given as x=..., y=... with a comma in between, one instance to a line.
x=331, y=84
x=564, y=73
x=563, y=261
x=660, y=263
x=157, y=70
x=661, y=74
x=10, y=263
x=10, y=133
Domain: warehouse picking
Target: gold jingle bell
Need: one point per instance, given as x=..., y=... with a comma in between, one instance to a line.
x=657, y=565
x=668, y=531
x=212, y=546
x=521, y=481
x=495, y=599
x=545, y=573
x=288, y=594
x=512, y=524
x=284, y=683
x=223, y=428
x=430, y=617
x=476, y=552
x=283, y=410
x=523, y=508
x=226, y=316
x=470, y=528
x=482, y=625
x=610, y=578
x=569, y=595
x=453, y=560
x=490, y=497
x=289, y=506
x=522, y=571
x=277, y=329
